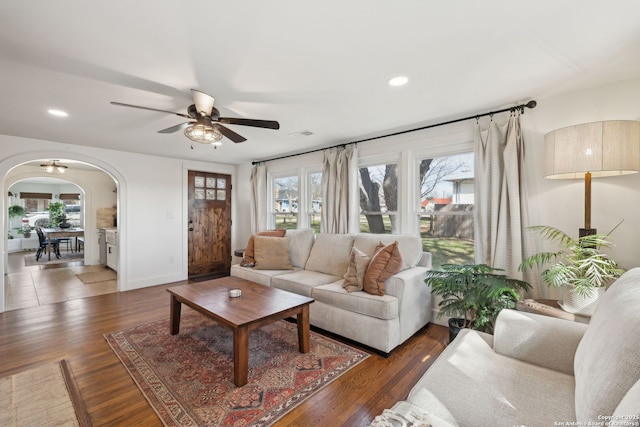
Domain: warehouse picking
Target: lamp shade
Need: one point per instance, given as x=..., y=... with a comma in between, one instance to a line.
x=601, y=148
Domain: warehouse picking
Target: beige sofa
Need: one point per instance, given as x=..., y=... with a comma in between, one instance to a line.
x=380, y=322
x=539, y=371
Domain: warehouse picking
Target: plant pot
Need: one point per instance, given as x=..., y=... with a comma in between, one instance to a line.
x=455, y=325
x=575, y=303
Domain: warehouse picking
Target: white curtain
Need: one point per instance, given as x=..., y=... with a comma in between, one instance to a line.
x=340, y=190
x=259, y=214
x=501, y=211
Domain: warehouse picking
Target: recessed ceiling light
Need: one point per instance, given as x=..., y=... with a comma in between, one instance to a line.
x=398, y=81
x=57, y=113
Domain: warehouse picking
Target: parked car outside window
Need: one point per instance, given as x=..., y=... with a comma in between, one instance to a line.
x=41, y=219
x=38, y=219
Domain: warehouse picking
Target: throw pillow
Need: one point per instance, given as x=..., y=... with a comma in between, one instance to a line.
x=384, y=263
x=358, y=262
x=272, y=253
x=248, y=259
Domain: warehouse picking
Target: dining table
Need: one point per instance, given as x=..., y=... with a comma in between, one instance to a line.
x=56, y=233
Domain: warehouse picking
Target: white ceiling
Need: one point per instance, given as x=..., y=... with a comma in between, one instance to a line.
x=317, y=66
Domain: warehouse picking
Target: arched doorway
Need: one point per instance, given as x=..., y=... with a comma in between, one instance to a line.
x=99, y=187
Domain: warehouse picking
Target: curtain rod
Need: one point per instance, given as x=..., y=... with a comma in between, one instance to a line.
x=521, y=107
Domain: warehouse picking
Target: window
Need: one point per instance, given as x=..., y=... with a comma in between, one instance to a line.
x=314, y=196
x=446, y=208
x=73, y=213
x=379, y=198
x=285, y=199
x=36, y=202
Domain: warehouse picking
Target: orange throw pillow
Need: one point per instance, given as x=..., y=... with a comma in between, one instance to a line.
x=248, y=259
x=385, y=262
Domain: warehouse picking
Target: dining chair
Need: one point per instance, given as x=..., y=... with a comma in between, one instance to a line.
x=44, y=243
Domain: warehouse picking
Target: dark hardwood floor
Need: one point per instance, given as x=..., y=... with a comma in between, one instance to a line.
x=73, y=330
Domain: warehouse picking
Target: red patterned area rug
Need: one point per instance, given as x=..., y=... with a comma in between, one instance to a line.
x=188, y=378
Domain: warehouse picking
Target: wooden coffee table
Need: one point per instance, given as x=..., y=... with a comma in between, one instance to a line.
x=258, y=305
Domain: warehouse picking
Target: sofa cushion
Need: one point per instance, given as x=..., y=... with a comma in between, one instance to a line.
x=300, y=243
x=302, y=282
x=385, y=262
x=607, y=362
x=529, y=337
x=410, y=246
x=382, y=307
x=258, y=276
x=482, y=388
x=248, y=259
x=629, y=407
x=272, y=253
x=330, y=254
x=358, y=263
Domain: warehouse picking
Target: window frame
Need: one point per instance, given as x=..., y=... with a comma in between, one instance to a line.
x=461, y=149
x=305, y=209
x=383, y=160
x=272, y=177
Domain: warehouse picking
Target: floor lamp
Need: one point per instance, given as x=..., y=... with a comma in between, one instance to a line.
x=595, y=150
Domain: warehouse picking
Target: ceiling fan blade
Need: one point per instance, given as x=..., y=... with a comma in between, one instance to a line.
x=203, y=102
x=175, y=128
x=230, y=134
x=269, y=124
x=150, y=109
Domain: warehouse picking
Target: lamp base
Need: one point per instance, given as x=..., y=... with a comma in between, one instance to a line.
x=586, y=232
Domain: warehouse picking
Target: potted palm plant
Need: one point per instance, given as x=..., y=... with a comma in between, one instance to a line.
x=579, y=267
x=473, y=294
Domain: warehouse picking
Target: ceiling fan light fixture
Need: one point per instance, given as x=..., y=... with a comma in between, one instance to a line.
x=53, y=167
x=203, y=133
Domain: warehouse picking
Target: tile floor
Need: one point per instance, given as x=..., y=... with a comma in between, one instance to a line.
x=45, y=284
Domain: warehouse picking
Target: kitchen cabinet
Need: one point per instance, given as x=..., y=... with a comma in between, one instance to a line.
x=112, y=249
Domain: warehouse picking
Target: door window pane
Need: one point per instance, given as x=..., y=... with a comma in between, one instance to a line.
x=446, y=208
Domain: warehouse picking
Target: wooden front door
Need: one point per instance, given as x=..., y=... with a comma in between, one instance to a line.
x=209, y=224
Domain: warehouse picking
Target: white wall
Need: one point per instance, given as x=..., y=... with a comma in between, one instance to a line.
x=560, y=203
x=152, y=208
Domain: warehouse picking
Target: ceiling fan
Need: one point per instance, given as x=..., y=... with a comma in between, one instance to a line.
x=205, y=124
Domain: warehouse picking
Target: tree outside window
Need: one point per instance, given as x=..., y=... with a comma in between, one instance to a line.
x=446, y=208
x=379, y=198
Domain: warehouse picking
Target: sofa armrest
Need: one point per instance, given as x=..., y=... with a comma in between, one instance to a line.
x=400, y=283
x=544, y=341
x=414, y=299
x=426, y=260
